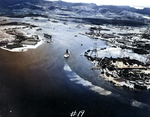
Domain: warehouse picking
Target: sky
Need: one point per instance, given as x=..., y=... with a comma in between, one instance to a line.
x=136, y=3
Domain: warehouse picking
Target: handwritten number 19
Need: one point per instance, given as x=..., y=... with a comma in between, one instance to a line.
x=79, y=114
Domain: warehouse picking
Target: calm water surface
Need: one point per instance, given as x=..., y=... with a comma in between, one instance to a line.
x=36, y=83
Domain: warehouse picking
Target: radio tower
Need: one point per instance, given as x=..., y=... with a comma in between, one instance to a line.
x=94, y=51
x=95, y=54
x=148, y=60
x=147, y=31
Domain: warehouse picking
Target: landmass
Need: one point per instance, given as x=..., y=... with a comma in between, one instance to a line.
x=19, y=36
x=126, y=60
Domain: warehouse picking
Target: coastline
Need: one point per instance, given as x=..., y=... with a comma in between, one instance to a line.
x=19, y=36
x=24, y=48
x=124, y=61
x=123, y=72
x=133, y=76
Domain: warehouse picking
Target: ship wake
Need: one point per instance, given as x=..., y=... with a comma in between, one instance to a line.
x=78, y=80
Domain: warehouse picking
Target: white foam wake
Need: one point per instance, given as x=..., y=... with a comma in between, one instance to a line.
x=139, y=104
x=77, y=79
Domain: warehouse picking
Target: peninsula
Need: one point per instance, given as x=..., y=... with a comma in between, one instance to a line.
x=126, y=60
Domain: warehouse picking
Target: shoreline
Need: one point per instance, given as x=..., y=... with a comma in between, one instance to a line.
x=124, y=72
x=124, y=62
x=24, y=48
x=19, y=36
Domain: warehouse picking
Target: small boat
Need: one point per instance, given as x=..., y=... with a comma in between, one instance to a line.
x=47, y=36
x=49, y=41
x=67, y=54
